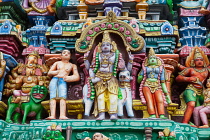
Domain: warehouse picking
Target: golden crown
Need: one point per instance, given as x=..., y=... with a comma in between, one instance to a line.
x=34, y=53
x=53, y=127
x=106, y=37
x=197, y=54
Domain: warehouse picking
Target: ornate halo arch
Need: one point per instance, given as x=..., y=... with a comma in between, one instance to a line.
x=131, y=40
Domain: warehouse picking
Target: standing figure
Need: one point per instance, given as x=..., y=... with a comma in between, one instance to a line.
x=153, y=90
x=103, y=78
x=58, y=86
x=201, y=112
x=195, y=74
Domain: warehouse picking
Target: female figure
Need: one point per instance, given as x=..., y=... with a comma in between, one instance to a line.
x=153, y=88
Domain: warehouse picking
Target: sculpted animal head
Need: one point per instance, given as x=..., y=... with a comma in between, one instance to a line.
x=53, y=132
x=124, y=76
x=38, y=93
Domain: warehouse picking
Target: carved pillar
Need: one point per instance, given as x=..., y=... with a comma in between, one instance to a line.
x=148, y=133
x=141, y=8
x=82, y=8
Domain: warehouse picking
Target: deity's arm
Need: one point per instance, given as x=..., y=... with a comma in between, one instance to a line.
x=44, y=69
x=207, y=101
x=40, y=80
x=181, y=67
x=184, y=76
x=19, y=79
x=162, y=81
x=121, y=62
x=53, y=70
x=140, y=76
x=2, y=68
x=129, y=66
x=86, y=62
x=163, y=85
x=73, y=78
x=130, y=62
x=92, y=76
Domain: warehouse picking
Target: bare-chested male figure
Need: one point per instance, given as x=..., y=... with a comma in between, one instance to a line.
x=60, y=71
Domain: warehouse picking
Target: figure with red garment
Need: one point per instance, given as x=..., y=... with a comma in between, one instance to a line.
x=153, y=90
x=195, y=73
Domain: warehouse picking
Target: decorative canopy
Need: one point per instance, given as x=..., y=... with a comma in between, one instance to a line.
x=131, y=40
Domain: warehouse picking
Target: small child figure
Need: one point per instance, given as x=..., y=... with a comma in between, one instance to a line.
x=201, y=112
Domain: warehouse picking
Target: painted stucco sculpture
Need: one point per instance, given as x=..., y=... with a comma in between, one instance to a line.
x=31, y=107
x=153, y=90
x=200, y=112
x=166, y=135
x=103, y=76
x=53, y=132
x=126, y=100
x=25, y=76
x=60, y=71
x=98, y=136
x=195, y=73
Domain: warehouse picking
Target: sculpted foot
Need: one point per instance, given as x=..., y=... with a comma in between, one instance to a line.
x=50, y=118
x=204, y=126
x=63, y=118
x=163, y=117
x=113, y=117
x=152, y=116
x=9, y=121
x=101, y=116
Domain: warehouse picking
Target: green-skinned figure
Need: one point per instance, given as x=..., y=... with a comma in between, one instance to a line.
x=53, y=133
x=153, y=91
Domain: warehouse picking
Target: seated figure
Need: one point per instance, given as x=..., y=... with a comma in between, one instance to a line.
x=201, y=112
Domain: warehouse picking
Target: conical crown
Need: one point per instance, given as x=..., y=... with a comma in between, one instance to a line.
x=151, y=53
x=106, y=37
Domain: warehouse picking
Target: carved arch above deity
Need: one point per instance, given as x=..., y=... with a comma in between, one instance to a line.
x=132, y=41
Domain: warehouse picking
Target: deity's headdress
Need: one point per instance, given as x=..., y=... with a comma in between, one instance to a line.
x=54, y=127
x=152, y=54
x=197, y=54
x=34, y=53
x=107, y=38
x=194, y=54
